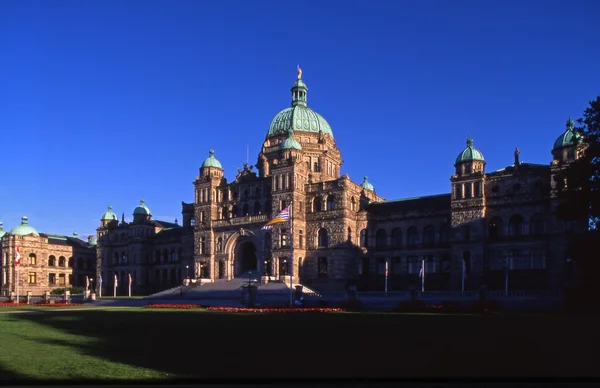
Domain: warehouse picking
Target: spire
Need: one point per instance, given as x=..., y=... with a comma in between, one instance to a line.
x=517, y=152
x=570, y=124
x=470, y=141
x=123, y=218
x=299, y=90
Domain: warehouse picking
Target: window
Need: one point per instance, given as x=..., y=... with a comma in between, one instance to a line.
x=396, y=238
x=349, y=238
x=467, y=190
x=515, y=226
x=32, y=259
x=430, y=266
x=476, y=189
x=330, y=202
x=202, y=245
x=283, y=238
x=316, y=204
x=61, y=261
x=429, y=235
x=70, y=278
x=52, y=278
x=323, y=238
x=70, y=262
x=322, y=261
x=396, y=266
x=380, y=238
x=61, y=279
x=300, y=239
x=352, y=204
x=495, y=228
x=364, y=238
x=537, y=225
x=32, y=278
x=413, y=265
x=381, y=266
x=51, y=261
x=412, y=237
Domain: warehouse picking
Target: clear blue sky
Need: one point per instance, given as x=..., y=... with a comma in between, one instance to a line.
x=103, y=102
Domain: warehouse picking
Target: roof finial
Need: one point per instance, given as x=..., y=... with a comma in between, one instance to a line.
x=24, y=220
x=211, y=152
x=517, y=152
x=1, y=225
x=299, y=70
x=570, y=124
x=470, y=141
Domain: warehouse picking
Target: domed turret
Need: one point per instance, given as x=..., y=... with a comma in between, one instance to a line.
x=24, y=229
x=290, y=143
x=109, y=215
x=211, y=161
x=299, y=117
x=469, y=154
x=142, y=209
x=366, y=185
x=2, y=232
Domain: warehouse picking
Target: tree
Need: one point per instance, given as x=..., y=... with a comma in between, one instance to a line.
x=581, y=200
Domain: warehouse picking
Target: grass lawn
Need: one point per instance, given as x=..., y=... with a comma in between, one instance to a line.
x=137, y=343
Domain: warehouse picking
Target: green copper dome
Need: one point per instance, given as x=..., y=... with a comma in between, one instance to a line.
x=93, y=241
x=211, y=161
x=569, y=138
x=366, y=185
x=142, y=209
x=2, y=232
x=291, y=143
x=109, y=215
x=299, y=117
x=469, y=154
x=24, y=229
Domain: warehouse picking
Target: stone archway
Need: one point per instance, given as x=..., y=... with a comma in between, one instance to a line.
x=245, y=258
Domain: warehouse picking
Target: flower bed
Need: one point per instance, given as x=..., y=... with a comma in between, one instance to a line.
x=173, y=306
x=12, y=304
x=275, y=309
x=58, y=304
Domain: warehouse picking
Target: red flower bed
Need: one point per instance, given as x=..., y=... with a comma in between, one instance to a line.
x=62, y=304
x=275, y=309
x=11, y=304
x=173, y=306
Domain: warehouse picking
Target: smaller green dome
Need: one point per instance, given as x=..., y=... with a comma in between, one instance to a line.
x=291, y=143
x=142, y=209
x=109, y=215
x=366, y=185
x=211, y=161
x=93, y=241
x=2, y=231
x=24, y=229
x=470, y=153
x=569, y=138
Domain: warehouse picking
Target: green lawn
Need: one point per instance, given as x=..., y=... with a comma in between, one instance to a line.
x=137, y=343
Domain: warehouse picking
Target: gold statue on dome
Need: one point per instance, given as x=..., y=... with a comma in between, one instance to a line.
x=299, y=71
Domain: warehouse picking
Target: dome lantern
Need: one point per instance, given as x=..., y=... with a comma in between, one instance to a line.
x=366, y=185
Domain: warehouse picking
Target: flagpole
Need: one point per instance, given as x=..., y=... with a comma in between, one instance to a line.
x=463, y=275
x=291, y=253
x=17, y=263
x=423, y=275
x=115, y=287
x=100, y=287
x=17, y=281
x=386, y=276
x=130, y=285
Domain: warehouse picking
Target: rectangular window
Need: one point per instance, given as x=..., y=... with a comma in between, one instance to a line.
x=322, y=266
x=380, y=266
x=283, y=237
x=413, y=264
x=32, y=278
x=32, y=260
x=396, y=266
x=52, y=278
x=300, y=239
x=61, y=279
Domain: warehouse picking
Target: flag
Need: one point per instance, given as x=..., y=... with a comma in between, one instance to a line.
x=386, y=269
x=282, y=216
x=129, y=276
x=87, y=282
x=421, y=272
x=116, y=281
x=18, y=257
x=100, y=280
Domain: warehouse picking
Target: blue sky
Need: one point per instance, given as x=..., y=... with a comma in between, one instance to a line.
x=103, y=102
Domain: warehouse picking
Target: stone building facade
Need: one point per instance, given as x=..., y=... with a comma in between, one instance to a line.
x=48, y=261
x=493, y=228
x=156, y=254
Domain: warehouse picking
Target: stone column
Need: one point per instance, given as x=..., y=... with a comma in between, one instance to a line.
x=67, y=296
x=28, y=297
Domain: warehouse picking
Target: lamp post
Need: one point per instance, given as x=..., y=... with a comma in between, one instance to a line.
x=187, y=271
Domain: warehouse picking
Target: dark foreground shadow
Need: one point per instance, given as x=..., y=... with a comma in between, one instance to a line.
x=307, y=345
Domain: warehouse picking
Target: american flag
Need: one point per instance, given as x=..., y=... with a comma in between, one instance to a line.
x=282, y=216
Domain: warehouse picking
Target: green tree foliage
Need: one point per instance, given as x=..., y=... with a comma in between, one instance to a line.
x=581, y=200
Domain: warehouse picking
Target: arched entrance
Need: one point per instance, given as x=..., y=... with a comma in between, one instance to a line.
x=245, y=258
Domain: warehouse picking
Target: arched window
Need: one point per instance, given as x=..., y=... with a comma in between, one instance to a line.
x=364, y=238
x=352, y=204
x=515, y=226
x=317, y=204
x=396, y=238
x=256, y=207
x=495, y=228
x=412, y=237
x=61, y=261
x=380, y=238
x=444, y=234
x=323, y=238
x=32, y=259
x=429, y=235
x=267, y=241
x=245, y=210
x=51, y=261
x=330, y=202
x=225, y=213
x=537, y=225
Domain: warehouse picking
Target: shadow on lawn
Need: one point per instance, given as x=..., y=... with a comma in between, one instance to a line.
x=211, y=345
x=7, y=375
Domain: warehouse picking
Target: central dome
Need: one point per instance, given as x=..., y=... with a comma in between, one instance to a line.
x=299, y=117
